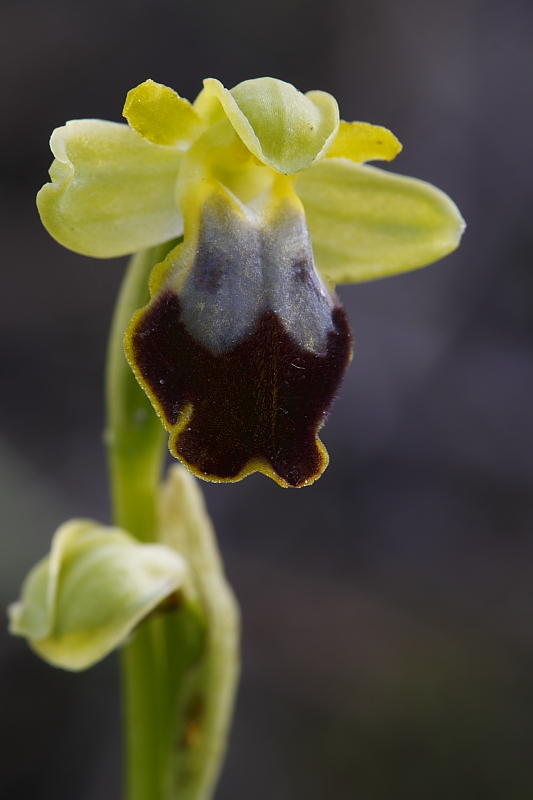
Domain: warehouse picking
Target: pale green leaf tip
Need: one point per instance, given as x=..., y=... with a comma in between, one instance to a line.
x=85, y=598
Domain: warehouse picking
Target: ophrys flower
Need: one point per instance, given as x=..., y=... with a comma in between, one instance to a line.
x=244, y=343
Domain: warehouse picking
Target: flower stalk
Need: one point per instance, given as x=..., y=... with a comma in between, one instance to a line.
x=134, y=437
x=179, y=670
x=135, y=447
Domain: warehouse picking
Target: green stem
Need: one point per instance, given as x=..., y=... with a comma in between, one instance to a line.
x=180, y=668
x=135, y=437
x=135, y=440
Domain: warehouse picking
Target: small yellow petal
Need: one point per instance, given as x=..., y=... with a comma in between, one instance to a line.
x=360, y=141
x=159, y=114
x=207, y=105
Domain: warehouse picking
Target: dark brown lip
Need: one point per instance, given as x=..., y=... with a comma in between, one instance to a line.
x=258, y=406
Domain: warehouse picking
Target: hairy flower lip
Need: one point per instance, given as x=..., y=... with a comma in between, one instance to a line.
x=237, y=428
x=242, y=347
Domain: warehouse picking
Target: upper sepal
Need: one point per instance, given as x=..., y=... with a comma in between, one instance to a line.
x=282, y=127
x=87, y=595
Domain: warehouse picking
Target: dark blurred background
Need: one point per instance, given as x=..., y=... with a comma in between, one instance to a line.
x=388, y=610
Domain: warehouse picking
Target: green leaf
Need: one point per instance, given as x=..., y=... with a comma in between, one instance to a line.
x=205, y=713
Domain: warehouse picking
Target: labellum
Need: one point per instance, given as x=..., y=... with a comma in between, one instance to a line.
x=242, y=347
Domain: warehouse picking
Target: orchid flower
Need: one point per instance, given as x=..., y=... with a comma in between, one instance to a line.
x=244, y=343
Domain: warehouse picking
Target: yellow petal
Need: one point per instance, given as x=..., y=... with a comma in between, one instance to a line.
x=281, y=126
x=112, y=191
x=360, y=141
x=86, y=597
x=366, y=223
x=159, y=114
x=207, y=104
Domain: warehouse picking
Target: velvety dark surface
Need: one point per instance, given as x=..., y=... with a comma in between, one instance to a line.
x=265, y=399
x=388, y=608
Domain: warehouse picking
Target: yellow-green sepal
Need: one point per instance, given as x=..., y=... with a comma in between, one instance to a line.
x=112, y=191
x=282, y=127
x=366, y=223
x=84, y=598
x=361, y=141
x=160, y=115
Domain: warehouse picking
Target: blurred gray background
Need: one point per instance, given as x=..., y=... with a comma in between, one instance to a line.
x=388, y=610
